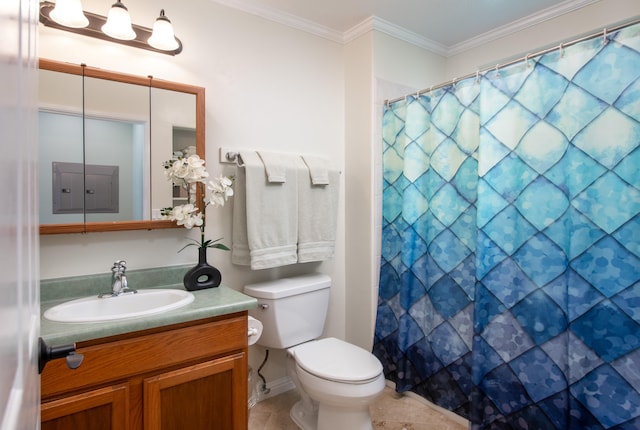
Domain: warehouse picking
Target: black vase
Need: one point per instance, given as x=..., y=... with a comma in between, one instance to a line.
x=203, y=275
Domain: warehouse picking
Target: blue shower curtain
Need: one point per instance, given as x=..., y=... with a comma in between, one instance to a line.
x=510, y=273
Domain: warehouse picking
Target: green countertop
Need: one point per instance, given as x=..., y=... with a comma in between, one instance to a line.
x=208, y=303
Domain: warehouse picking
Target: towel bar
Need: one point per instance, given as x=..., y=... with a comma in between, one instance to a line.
x=230, y=156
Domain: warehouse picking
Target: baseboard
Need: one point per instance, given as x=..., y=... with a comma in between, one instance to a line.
x=446, y=412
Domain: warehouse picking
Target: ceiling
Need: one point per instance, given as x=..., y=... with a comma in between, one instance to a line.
x=444, y=24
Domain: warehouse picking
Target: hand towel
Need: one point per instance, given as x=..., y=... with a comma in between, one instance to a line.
x=274, y=166
x=271, y=215
x=317, y=216
x=318, y=169
x=239, y=240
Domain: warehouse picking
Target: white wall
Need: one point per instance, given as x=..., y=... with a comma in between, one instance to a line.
x=358, y=164
x=398, y=61
x=267, y=87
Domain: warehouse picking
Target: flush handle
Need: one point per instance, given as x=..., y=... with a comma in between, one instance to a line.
x=263, y=306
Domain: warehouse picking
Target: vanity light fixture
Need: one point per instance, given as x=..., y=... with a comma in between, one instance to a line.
x=116, y=27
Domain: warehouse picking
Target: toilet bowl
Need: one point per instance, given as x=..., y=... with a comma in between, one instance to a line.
x=341, y=378
x=335, y=379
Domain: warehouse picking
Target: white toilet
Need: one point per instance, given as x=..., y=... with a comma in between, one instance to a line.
x=337, y=380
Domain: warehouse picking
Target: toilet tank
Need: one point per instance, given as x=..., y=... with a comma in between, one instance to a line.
x=292, y=310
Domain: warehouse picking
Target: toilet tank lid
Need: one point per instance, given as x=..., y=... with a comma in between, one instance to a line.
x=286, y=287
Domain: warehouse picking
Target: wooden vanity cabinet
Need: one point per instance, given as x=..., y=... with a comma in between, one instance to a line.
x=186, y=376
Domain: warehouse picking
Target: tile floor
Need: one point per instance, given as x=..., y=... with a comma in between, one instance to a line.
x=391, y=411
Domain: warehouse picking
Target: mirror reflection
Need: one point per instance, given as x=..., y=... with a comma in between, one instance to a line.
x=117, y=117
x=173, y=130
x=102, y=143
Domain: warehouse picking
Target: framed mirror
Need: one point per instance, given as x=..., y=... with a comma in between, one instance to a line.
x=103, y=139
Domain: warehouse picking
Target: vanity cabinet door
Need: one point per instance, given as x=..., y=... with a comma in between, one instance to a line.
x=102, y=409
x=210, y=395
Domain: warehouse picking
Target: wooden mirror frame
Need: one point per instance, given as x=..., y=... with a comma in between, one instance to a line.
x=149, y=81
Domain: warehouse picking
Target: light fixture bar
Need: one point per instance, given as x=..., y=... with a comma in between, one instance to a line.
x=94, y=29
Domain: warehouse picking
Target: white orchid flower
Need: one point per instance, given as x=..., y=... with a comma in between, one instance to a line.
x=185, y=215
x=184, y=171
x=188, y=170
x=220, y=189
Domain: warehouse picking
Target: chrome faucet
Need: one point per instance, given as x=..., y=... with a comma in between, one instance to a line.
x=119, y=280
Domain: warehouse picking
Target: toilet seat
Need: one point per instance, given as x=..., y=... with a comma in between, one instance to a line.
x=335, y=360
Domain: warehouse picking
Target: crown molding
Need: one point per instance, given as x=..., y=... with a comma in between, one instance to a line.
x=378, y=24
x=519, y=25
x=284, y=18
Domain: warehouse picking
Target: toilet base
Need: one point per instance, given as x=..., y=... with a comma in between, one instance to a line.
x=331, y=418
x=306, y=420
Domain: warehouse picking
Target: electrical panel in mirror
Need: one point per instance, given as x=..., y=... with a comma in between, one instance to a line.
x=93, y=117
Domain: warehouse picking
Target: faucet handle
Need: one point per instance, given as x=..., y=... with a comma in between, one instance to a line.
x=119, y=265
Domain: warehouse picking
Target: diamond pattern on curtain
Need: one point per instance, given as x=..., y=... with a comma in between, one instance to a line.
x=510, y=274
x=424, y=329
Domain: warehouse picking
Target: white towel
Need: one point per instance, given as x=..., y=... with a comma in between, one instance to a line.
x=271, y=216
x=275, y=166
x=318, y=169
x=239, y=241
x=317, y=216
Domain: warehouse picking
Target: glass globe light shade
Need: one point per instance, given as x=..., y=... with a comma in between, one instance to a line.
x=118, y=23
x=69, y=13
x=163, y=37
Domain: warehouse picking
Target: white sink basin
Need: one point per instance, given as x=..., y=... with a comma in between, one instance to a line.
x=96, y=309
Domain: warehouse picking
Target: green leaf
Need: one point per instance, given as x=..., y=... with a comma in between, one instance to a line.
x=189, y=244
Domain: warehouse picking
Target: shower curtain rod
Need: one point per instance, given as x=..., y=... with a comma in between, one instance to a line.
x=603, y=33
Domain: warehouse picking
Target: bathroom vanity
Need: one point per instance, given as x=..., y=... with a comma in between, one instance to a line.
x=183, y=369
